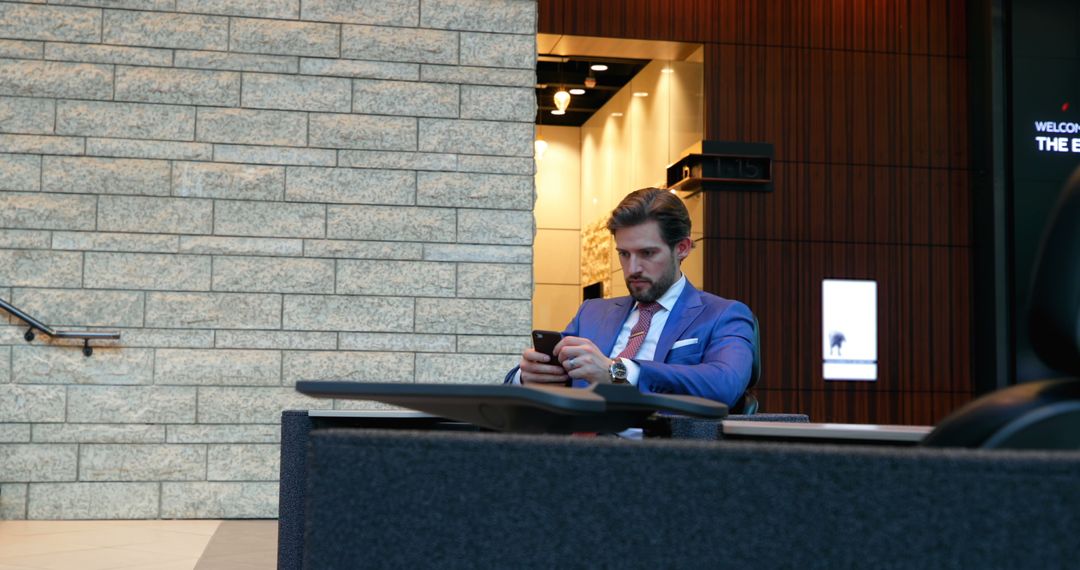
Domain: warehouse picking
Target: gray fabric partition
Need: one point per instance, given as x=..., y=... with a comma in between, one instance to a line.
x=384, y=498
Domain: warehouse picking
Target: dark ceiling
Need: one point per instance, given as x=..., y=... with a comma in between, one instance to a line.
x=571, y=71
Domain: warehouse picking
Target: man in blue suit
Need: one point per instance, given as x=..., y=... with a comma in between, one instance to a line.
x=666, y=337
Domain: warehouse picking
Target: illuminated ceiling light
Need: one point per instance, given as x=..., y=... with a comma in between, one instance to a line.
x=598, y=67
x=616, y=114
x=667, y=70
x=641, y=94
x=557, y=112
x=577, y=91
x=562, y=99
x=540, y=147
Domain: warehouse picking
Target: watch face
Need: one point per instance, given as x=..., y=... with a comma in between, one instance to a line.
x=618, y=370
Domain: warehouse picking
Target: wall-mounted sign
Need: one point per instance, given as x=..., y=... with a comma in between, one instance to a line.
x=849, y=329
x=724, y=166
x=1057, y=136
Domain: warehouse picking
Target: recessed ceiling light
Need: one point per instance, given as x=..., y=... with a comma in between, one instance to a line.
x=598, y=67
x=557, y=112
x=616, y=114
x=577, y=91
x=641, y=94
x=667, y=70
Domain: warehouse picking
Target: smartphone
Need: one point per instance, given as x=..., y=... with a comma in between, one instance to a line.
x=545, y=341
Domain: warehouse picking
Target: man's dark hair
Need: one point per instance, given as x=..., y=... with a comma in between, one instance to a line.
x=658, y=204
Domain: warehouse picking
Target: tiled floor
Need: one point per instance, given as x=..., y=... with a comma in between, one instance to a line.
x=138, y=545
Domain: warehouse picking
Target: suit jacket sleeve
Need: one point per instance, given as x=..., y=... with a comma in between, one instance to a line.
x=571, y=330
x=720, y=371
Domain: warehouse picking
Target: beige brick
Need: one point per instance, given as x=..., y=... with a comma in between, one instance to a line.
x=91, y=241
x=397, y=160
x=231, y=181
x=474, y=190
x=38, y=364
x=273, y=275
x=141, y=462
x=21, y=403
x=405, y=98
x=397, y=342
x=21, y=49
x=399, y=44
x=131, y=404
x=350, y=366
x=418, y=278
x=487, y=344
x=284, y=37
x=213, y=310
x=37, y=462
x=165, y=215
x=219, y=500
x=498, y=103
x=390, y=223
x=513, y=16
x=478, y=75
x=283, y=9
x=498, y=50
x=404, y=13
x=168, y=338
x=147, y=271
x=121, y=148
x=24, y=239
x=28, y=78
x=125, y=120
x=276, y=340
x=274, y=155
x=105, y=175
x=181, y=86
x=36, y=268
x=108, y=54
x=241, y=246
x=476, y=137
x=217, y=367
x=226, y=433
x=83, y=308
x=218, y=405
x=48, y=212
x=495, y=227
x=473, y=316
x=156, y=29
x=14, y=433
x=246, y=126
x=74, y=501
x=362, y=249
x=495, y=281
x=30, y=22
x=464, y=368
x=237, y=61
x=26, y=115
x=158, y=5
x=359, y=131
x=249, y=462
x=98, y=433
x=42, y=144
x=269, y=219
x=360, y=69
x=350, y=186
x=302, y=93
x=341, y=313
x=5, y=363
x=497, y=164
x=13, y=501
x=20, y=172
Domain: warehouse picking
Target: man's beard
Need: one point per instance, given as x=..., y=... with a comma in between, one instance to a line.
x=657, y=288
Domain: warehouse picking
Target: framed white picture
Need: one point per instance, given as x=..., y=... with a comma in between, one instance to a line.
x=849, y=329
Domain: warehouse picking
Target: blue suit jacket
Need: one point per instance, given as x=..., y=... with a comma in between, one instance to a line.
x=717, y=366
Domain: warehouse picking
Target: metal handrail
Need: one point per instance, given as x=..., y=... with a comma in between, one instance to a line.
x=36, y=325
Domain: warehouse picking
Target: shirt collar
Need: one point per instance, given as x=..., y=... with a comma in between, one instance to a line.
x=668, y=299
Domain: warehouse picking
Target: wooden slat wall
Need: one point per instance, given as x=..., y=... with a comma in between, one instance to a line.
x=866, y=104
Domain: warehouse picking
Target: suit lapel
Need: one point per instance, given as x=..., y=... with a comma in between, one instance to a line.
x=686, y=309
x=612, y=323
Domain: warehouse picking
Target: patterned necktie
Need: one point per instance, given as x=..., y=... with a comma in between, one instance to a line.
x=637, y=334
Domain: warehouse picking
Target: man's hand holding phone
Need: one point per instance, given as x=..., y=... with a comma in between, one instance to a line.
x=540, y=364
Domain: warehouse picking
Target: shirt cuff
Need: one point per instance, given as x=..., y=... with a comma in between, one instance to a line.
x=632, y=370
x=517, y=378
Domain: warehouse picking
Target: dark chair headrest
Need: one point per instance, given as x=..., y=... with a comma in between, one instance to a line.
x=1055, y=291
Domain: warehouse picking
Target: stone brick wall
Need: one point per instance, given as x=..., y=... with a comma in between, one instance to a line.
x=253, y=192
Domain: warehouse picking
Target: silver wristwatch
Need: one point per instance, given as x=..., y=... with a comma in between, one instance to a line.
x=618, y=372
